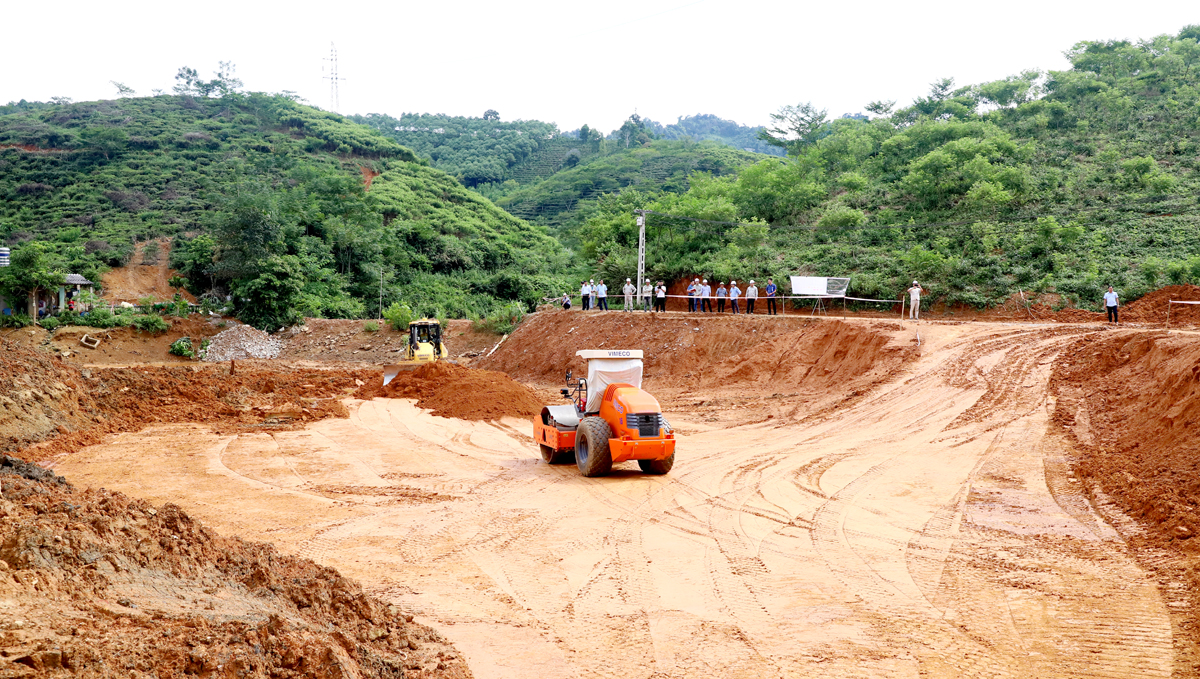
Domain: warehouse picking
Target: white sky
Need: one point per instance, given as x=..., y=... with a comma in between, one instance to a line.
x=562, y=62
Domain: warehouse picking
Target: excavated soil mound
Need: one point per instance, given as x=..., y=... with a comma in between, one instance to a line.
x=456, y=391
x=750, y=354
x=1132, y=403
x=1135, y=400
x=95, y=584
x=39, y=397
x=42, y=397
x=1153, y=307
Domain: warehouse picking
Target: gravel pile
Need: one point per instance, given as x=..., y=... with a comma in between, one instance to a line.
x=242, y=341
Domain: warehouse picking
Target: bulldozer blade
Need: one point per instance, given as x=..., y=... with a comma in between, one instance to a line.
x=390, y=371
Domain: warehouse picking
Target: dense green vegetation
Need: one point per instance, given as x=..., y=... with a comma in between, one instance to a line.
x=475, y=150
x=708, y=127
x=540, y=174
x=1061, y=182
x=655, y=165
x=266, y=200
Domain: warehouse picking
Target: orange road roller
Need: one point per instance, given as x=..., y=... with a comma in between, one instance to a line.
x=609, y=420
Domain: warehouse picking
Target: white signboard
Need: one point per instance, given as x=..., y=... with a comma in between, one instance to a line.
x=820, y=286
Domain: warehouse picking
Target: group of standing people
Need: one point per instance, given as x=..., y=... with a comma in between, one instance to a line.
x=700, y=296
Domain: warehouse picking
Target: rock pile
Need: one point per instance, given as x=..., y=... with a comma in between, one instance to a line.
x=242, y=341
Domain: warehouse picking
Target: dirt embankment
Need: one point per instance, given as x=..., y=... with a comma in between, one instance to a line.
x=43, y=397
x=1132, y=403
x=344, y=340
x=126, y=346
x=748, y=354
x=96, y=584
x=455, y=391
x=137, y=279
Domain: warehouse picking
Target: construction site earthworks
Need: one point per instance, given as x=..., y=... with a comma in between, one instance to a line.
x=1014, y=495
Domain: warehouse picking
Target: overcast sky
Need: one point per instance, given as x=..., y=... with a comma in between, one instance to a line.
x=564, y=62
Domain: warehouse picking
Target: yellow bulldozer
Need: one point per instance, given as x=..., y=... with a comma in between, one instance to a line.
x=424, y=346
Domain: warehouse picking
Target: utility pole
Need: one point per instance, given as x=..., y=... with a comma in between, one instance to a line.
x=641, y=275
x=334, y=101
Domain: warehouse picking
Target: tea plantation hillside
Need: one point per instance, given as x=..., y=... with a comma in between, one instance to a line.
x=289, y=209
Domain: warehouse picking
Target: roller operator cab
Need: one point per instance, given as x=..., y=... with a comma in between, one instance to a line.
x=609, y=420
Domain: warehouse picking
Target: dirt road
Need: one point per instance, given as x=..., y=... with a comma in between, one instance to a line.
x=932, y=528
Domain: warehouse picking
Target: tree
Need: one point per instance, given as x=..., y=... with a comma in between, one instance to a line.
x=34, y=268
x=189, y=83
x=795, y=128
x=491, y=114
x=881, y=107
x=123, y=90
x=61, y=101
x=631, y=129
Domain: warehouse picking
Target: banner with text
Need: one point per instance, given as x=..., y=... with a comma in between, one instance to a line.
x=820, y=286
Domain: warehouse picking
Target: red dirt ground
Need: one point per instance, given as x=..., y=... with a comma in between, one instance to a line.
x=44, y=396
x=126, y=346
x=96, y=584
x=134, y=281
x=1131, y=402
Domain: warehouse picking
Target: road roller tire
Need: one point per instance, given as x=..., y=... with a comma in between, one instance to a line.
x=657, y=467
x=591, y=447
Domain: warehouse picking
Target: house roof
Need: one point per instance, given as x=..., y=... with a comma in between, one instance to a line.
x=76, y=279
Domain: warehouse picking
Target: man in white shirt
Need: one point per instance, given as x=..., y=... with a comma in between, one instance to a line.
x=751, y=295
x=914, y=299
x=602, y=295
x=660, y=296
x=592, y=291
x=647, y=295
x=1111, y=302
x=734, y=293
x=629, y=290
x=585, y=291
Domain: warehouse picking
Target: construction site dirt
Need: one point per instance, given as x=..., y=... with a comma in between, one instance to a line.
x=849, y=498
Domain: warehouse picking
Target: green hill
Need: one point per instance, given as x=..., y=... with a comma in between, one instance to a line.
x=1061, y=182
x=267, y=200
x=708, y=127
x=655, y=165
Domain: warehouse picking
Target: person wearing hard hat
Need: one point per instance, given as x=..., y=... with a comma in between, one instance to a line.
x=593, y=291
x=751, y=296
x=722, y=295
x=630, y=290
x=914, y=299
x=647, y=294
x=734, y=293
x=705, y=296
x=566, y=301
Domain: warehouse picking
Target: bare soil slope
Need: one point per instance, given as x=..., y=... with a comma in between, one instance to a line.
x=96, y=584
x=1132, y=403
x=136, y=280
x=45, y=398
x=702, y=363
